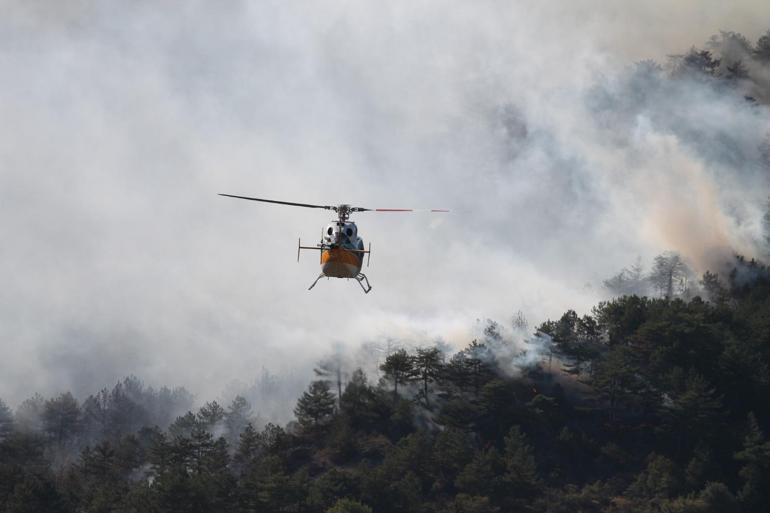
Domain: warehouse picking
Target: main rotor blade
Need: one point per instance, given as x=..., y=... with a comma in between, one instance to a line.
x=361, y=209
x=307, y=205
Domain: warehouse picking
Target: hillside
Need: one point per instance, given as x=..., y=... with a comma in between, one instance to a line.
x=644, y=405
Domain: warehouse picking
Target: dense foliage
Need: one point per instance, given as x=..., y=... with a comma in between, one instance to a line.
x=644, y=405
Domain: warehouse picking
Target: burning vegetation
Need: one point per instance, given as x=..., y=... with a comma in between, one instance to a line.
x=644, y=405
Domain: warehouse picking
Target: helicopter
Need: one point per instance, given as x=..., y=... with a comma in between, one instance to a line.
x=341, y=250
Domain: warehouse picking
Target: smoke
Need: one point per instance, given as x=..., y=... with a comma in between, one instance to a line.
x=560, y=161
x=514, y=349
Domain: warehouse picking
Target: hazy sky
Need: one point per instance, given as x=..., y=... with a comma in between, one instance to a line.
x=123, y=120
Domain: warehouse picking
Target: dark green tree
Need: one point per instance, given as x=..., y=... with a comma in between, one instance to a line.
x=717, y=498
x=192, y=473
x=700, y=469
x=616, y=379
x=326, y=490
x=61, y=418
x=21, y=453
x=361, y=404
x=184, y=425
x=658, y=481
x=484, y=475
x=755, y=472
x=34, y=493
x=762, y=49
x=105, y=472
x=29, y=414
x=470, y=369
x=211, y=415
x=316, y=406
x=427, y=366
x=250, y=448
x=520, y=469
x=452, y=451
x=714, y=288
x=6, y=421
x=575, y=340
x=267, y=487
x=398, y=370
x=126, y=413
x=237, y=418
x=698, y=64
x=96, y=415
x=692, y=415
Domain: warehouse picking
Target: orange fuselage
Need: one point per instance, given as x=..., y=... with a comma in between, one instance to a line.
x=340, y=263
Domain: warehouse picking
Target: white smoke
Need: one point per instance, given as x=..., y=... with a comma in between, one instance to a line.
x=560, y=164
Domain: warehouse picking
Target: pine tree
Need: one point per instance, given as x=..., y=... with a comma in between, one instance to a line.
x=427, y=367
x=484, y=475
x=755, y=472
x=615, y=379
x=96, y=415
x=61, y=418
x=397, y=369
x=36, y=492
x=658, y=480
x=670, y=275
x=452, y=450
x=713, y=287
x=237, y=418
x=521, y=471
x=471, y=368
x=250, y=448
x=762, y=49
x=210, y=415
x=184, y=425
x=316, y=406
x=126, y=414
x=29, y=414
x=717, y=498
x=266, y=487
x=693, y=414
x=6, y=421
x=700, y=468
x=360, y=402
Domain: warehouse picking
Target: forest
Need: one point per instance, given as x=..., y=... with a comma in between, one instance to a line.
x=646, y=404
x=656, y=401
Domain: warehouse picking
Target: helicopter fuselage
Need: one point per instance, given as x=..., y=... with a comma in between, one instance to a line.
x=338, y=262
x=342, y=250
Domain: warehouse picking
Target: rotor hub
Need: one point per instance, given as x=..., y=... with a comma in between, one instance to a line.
x=343, y=211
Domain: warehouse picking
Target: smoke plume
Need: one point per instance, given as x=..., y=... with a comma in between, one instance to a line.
x=560, y=158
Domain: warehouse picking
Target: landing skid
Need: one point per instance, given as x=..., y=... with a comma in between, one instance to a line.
x=316, y=281
x=360, y=278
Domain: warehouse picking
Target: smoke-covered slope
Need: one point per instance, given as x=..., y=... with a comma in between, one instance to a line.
x=561, y=160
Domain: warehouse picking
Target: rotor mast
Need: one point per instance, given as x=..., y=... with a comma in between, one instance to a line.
x=343, y=211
